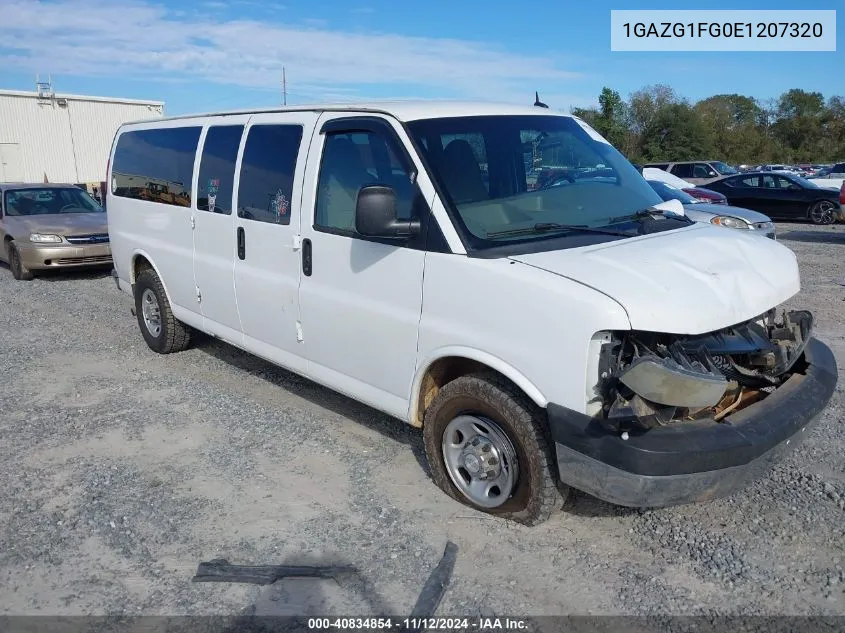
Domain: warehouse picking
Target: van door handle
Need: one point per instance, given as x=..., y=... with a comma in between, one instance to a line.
x=241, y=243
x=306, y=257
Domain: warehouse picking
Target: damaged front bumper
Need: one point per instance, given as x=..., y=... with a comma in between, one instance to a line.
x=696, y=459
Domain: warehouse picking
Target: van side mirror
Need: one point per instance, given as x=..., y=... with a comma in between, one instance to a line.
x=375, y=214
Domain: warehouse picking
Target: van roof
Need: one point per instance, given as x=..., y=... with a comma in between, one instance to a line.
x=402, y=110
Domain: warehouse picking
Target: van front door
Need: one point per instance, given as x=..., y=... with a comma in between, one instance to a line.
x=360, y=298
x=214, y=241
x=266, y=234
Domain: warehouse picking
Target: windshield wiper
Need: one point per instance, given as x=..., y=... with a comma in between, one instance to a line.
x=648, y=212
x=542, y=227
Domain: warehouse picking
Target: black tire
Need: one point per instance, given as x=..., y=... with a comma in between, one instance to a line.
x=817, y=216
x=172, y=335
x=538, y=492
x=19, y=271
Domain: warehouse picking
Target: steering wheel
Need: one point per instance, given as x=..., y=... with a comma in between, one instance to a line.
x=67, y=206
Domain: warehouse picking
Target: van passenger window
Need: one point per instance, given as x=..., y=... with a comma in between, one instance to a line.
x=217, y=168
x=352, y=161
x=156, y=165
x=266, y=183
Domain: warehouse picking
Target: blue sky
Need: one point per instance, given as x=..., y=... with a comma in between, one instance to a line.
x=202, y=55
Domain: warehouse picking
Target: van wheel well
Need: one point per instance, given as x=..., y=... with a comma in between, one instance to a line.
x=139, y=265
x=443, y=371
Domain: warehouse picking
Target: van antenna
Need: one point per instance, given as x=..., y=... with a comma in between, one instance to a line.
x=537, y=101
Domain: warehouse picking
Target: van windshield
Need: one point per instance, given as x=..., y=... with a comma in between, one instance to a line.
x=504, y=175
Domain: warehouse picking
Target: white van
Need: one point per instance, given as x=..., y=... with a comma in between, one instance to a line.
x=499, y=276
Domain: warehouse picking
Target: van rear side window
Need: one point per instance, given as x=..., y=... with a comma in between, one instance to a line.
x=217, y=168
x=266, y=183
x=156, y=165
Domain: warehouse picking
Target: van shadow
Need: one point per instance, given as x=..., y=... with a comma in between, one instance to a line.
x=309, y=390
x=581, y=504
x=814, y=237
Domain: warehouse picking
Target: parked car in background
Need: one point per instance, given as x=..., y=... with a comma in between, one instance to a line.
x=699, y=193
x=706, y=195
x=781, y=196
x=778, y=167
x=824, y=170
x=697, y=172
x=726, y=216
x=51, y=226
x=831, y=177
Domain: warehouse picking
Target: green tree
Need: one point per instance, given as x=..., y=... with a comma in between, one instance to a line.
x=833, y=129
x=798, y=124
x=611, y=121
x=676, y=132
x=656, y=124
x=734, y=124
x=643, y=106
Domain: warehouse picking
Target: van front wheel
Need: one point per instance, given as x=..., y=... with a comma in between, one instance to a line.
x=488, y=448
x=163, y=332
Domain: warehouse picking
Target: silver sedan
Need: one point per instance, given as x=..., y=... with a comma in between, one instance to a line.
x=727, y=216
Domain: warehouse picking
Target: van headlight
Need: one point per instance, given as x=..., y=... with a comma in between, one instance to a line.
x=45, y=238
x=730, y=222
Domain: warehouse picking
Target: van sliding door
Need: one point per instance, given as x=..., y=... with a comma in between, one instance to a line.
x=214, y=233
x=266, y=234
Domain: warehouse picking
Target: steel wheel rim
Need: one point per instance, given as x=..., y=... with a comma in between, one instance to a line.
x=480, y=459
x=823, y=212
x=151, y=312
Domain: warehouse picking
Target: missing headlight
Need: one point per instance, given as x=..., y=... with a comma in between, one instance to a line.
x=651, y=379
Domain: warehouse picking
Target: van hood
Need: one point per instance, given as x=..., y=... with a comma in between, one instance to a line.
x=689, y=281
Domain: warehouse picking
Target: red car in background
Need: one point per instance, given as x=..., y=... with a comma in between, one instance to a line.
x=701, y=194
x=706, y=195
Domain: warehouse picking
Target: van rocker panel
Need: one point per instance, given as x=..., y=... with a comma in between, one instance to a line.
x=697, y=460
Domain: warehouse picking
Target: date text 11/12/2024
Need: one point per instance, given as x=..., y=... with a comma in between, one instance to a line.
x=418, y=624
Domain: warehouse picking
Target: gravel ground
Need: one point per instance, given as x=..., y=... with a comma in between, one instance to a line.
x=121, y=469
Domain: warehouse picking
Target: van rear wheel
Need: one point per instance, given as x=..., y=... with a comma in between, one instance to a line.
x=488, y=447
x=163, y=332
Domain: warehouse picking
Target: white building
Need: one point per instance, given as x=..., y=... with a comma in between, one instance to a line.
x=62, y=137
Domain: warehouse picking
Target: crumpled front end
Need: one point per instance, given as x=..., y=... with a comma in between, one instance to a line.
x=650, y=379
x=691, y=418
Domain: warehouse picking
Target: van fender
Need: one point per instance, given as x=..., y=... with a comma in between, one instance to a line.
x=142, y=253
x=470, y=353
